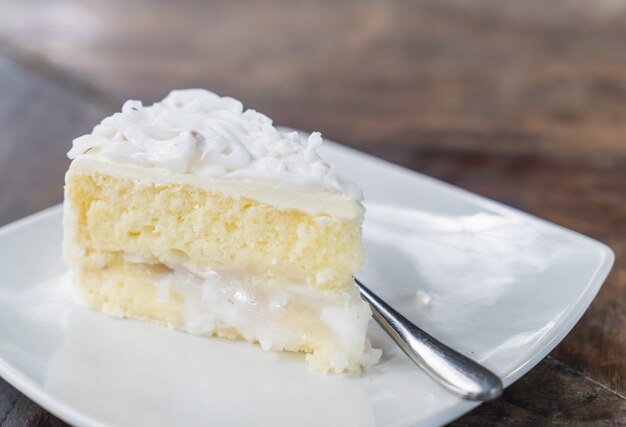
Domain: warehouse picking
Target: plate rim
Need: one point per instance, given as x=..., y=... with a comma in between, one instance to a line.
x=577, y=310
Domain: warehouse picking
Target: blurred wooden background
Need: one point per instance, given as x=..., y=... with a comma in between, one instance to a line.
x=523, y=102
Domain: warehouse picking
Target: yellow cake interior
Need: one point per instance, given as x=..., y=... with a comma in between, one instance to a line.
x=179, y=224
x=214, y=264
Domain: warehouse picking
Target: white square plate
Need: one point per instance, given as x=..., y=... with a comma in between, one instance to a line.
x=505, y=288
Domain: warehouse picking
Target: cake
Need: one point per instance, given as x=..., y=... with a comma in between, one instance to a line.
x=196, y=214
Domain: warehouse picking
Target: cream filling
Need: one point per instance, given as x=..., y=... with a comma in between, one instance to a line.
x=278, y=316
x=281, y=195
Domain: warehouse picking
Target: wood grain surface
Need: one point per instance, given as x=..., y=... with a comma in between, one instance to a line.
x=523, y=102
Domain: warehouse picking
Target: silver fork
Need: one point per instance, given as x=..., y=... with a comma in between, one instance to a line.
x=457, y=373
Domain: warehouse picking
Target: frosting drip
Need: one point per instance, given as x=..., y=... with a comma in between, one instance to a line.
x=197, y=132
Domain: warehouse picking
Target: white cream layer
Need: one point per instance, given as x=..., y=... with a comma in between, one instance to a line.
x=283, y=196
x=257, y=311
x=197, y=132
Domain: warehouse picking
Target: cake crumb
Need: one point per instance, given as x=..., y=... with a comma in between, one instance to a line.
x=422, y=299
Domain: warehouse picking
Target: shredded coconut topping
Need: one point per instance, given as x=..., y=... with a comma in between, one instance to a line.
x=195, y=131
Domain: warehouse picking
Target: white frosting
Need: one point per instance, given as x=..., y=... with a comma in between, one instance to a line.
x=197, y=132
x=281, y=195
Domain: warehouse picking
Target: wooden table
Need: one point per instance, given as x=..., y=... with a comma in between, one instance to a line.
x=523, y=102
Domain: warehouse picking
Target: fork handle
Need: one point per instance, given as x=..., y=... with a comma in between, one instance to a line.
x=454, y=371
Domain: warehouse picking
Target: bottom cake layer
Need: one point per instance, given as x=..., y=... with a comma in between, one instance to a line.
x=330, y=326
